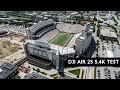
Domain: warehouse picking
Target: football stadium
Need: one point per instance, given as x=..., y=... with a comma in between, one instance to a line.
x=50, y=43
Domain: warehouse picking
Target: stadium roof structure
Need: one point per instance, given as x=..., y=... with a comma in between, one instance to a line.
x=34, y=28
x=77, y=35
x=62, y=50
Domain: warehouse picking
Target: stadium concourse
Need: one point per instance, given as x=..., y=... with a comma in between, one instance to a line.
x=50, y=44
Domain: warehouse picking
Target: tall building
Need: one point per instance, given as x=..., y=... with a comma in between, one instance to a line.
x=83, y=41
x=62, y=18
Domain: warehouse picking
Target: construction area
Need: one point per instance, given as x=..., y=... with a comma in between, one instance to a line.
x=11, y=47
x=14, y=36
x=7, y=48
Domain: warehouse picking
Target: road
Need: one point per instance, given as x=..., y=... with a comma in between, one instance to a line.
x=90, y=73
x=90, y=70
x=95, y=37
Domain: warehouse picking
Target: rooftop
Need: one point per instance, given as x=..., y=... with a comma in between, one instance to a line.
x=111, y=49
x=6, y=70
x=110, y=53
x=35, y=75
x=62, y=50
x=35, y=27
x=108, y=32
x=59, y=49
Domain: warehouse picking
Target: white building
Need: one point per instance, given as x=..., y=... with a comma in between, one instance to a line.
x=74, y=13
x=107, y=33
x=83, y=41
x=109, y=16
x=62, y=18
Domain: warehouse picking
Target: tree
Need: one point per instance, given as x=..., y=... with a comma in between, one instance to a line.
x=98, y=32
x=97, y=42
x=38, y=70
x=94, y=18
x=34, y=69
x=82, y=18
x=74, y=22
x=112, y=41
x=98, y=25
x=44, y=73
x=115, y=30
x=93, y=27
x=119, y=32
x=107, y=41
x=77, y=76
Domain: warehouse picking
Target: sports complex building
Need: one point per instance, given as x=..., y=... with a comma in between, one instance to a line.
x=50, y=44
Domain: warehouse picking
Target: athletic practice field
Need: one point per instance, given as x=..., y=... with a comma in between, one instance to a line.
x=61, y=39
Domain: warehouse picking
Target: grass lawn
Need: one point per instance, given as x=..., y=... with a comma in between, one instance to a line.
x=16, y=77
x=55, y=76
x=61, y=39
x=76, y=72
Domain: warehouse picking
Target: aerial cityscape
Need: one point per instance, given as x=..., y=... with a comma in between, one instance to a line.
x=36, y=44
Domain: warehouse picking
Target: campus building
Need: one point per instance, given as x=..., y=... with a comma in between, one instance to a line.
x=7, y=71
x=108, y=34
x=83, y=41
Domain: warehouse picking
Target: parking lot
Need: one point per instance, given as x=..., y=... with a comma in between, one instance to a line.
x=106, y=73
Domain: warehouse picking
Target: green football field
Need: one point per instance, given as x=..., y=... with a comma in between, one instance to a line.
x=61, y=39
